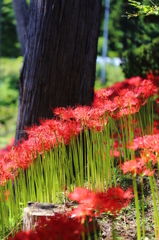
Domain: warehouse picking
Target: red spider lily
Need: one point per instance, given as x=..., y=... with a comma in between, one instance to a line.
x=104, y=93
x=127, y=111
x=98, y=102
x=135, y=81
x=133, y=166
x=54, y=228
x=96, y=125
x=30, y=235
x=106, y=106
x=114, y=153
x=112, y=106
x=137, y=143
x=148, y=156
x=64, y=113
x=147, y=172
x=81, y=113
x=151, y=142
x=81, y=195
x=120, y=85
x=59, y=227
x=82, y=212
x=127, y=102
x=147, y=142
x=52, y=132
x=69, y=130
x=128, y=98
x=96, y=113
x=112, y=201
x=146, y=89
x=43, y=137
x=136, y=166
x=153, y=77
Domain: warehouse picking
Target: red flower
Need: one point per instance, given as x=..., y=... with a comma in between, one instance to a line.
x=133, y=167
x=54, y=228
x=149, y=142
x=148, y=156
x=64, y=113
x=114, y=153
x=81, y=195
x=113, y=200
x=96, y=203
x=82, y=211
x=146, y=89
x=137, y=166
x=25, y=236
x=137, y=143
x=148, y=172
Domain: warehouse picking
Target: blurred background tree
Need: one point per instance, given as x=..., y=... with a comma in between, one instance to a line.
x=134, y=41
x=10, y=47
x=143, y=58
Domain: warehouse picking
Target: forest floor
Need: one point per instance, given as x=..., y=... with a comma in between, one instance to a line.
x=125, y=223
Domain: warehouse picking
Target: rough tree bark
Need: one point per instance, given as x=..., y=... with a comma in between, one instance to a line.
x=60, y=58
x=21, y=16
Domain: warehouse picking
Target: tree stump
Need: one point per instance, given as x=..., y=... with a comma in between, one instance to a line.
x=36, y=210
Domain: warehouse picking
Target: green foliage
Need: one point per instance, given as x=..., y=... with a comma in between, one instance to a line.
x=123, y=34
x=113, y=74
x=10, y=69
x=10, y=46
x=126, y=34
x=141, y=60
x=100, y=45
x=143, y=9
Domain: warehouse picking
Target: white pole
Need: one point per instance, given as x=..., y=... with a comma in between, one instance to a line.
x=105, y=37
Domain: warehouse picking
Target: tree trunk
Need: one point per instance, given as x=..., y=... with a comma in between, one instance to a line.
x=21, y=16
x=60, y=58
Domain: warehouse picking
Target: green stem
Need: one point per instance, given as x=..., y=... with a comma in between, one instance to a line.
x=137, y=209
x=156, y=216
x=114, y=234
x=143, y=212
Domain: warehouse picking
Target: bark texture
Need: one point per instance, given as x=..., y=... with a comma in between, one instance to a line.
x=60, y=58
x=21, y=16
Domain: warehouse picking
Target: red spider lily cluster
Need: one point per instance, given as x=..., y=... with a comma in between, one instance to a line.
x=54, y=228
x=116, y=102
x=72, y=225
x=149, y=153
x=136, y=166
x=94, y=204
